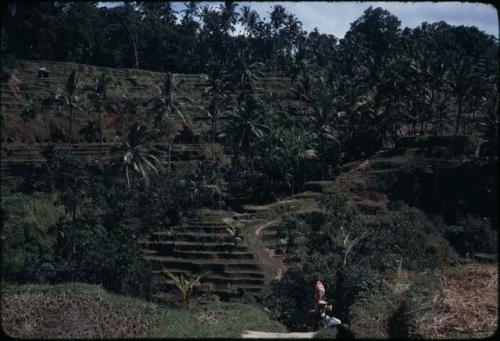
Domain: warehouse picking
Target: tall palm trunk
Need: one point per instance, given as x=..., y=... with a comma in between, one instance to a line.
x=169, y=142
x=100, y=132
x=214, y=127
x=71, y=124
x=322, y=141
x=134, y=39
x=459, y=115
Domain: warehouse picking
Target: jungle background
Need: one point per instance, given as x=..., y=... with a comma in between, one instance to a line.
x=374, y=157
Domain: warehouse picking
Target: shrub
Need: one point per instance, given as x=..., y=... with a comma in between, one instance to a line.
x=90, y=253
x=319, y=250
x=29, y=237
x=472, y=234
x=403, y=237
x=290, y=298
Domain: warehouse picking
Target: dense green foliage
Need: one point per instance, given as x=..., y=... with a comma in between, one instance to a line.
x=28, y=236
x=358, y=90
x=319, y=244
x=472, y=234
x=355, y=95
x=67, y=219
x=89, y=233
x=352, y=257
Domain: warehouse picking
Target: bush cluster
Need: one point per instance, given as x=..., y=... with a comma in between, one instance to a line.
x=86, y=230
x=472, y=234
x=321, y=245
x=317, y=245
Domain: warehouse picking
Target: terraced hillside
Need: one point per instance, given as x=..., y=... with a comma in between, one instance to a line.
x=33, y=119
x=33, y=154
x=202, y=245
x=32, y=115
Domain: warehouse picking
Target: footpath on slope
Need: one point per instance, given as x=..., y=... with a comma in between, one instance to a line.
x=273, y=266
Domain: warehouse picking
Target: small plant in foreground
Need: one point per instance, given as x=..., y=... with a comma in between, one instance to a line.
x=233, y=229
x=185, y=285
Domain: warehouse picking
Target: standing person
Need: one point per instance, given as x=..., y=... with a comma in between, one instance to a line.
x=319, y=290
x=43, y=72
x=319, y=302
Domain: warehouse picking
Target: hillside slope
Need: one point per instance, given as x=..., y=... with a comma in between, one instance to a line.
x=33, y=115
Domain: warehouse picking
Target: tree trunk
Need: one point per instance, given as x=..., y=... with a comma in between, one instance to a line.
x=186, y=301
x=251, y=164
x=168, y=142
x=136, y=54
x=168, y=152
x=459, y=115
x=322, y=159
x=214, y=137
x=303, y=172
x=100, y=132
x=71, y=124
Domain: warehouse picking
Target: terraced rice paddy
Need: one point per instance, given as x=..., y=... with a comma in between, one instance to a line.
x=198, y=247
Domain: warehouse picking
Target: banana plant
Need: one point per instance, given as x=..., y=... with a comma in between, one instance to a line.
x=185, y=285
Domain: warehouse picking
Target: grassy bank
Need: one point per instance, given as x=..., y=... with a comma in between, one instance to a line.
x=76, y=310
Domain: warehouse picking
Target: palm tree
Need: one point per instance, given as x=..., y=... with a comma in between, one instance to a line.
x=278, y=16
x=247, y=77
x=249, y=18
x=71, y=99
x=296, y=143
x=245, y=128
x=100, y=96
x=185, y=285
x=302, y=77
x=228, y=16
x=135, y=156
x=218, y=91
x=190, y=12
x=324, y=94
x=167, y=105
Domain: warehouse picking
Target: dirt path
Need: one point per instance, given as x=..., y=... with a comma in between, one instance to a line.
x=273, y=267
x=250, y=334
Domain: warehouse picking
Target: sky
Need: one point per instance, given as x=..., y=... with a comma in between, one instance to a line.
x=335, y=17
